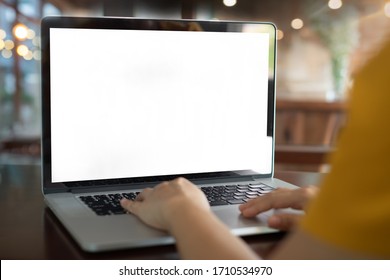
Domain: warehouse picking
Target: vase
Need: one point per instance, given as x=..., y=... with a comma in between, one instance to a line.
x=339, y=64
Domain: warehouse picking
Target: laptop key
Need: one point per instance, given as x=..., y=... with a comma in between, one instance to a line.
x=236, y=201
x=267, y=188
x=130, y=196
x=227, y=196
x=252, y=193
x=116, y=196
x=218, y=203
x=265, y=192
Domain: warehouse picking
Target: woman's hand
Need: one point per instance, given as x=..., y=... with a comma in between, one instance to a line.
x=159, y=206
x=278, y=199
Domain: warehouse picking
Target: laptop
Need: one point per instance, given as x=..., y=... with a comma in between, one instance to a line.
x=128, y=103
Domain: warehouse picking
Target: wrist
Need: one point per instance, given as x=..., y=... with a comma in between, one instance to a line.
x=185, y=215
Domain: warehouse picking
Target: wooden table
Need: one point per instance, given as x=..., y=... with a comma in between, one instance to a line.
x=29, y=230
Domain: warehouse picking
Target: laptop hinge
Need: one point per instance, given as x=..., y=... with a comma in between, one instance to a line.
x=116, y=188
x=223, y=180
x=113, y=188
x=257, y=177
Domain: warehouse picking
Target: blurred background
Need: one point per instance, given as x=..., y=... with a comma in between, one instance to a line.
x=321, y=46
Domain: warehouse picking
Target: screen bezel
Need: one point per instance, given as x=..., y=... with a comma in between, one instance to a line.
x=142, y=24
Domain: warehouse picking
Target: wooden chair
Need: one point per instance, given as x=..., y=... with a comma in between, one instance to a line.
x=306, y=133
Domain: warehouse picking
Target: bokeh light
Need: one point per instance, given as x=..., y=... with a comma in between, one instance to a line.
x=28, y=55
x=279, y=34
x=22, y=50
x=9, y=45
x=229, y=3
x=297, y=23
x=20, y=31
x=335, y=4
x=3, y=34
x=6, y=53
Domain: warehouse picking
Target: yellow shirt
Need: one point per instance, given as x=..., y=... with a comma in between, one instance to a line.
x=352, y=210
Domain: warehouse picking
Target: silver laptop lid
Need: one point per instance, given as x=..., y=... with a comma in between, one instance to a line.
x=133, y=100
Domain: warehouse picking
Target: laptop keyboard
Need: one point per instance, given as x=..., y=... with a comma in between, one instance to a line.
x=234, y=194
x=108, y=204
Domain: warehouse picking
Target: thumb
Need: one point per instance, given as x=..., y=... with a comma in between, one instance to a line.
x=284, y=221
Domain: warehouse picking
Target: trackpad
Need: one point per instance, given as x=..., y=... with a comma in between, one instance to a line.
x=231, y=216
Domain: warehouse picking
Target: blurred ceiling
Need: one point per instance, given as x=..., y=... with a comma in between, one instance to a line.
x=265, y=10
x=248, y=8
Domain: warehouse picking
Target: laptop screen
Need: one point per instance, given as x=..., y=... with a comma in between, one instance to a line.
x=128, y=103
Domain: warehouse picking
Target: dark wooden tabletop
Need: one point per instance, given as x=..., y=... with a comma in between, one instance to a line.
x=29, y=230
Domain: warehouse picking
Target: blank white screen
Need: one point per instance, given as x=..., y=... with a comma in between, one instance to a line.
x=129, y=103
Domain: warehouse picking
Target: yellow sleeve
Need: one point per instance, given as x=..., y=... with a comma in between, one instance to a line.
x=352, y=210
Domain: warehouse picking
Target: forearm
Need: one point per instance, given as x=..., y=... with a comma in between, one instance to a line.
x=201, y=235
